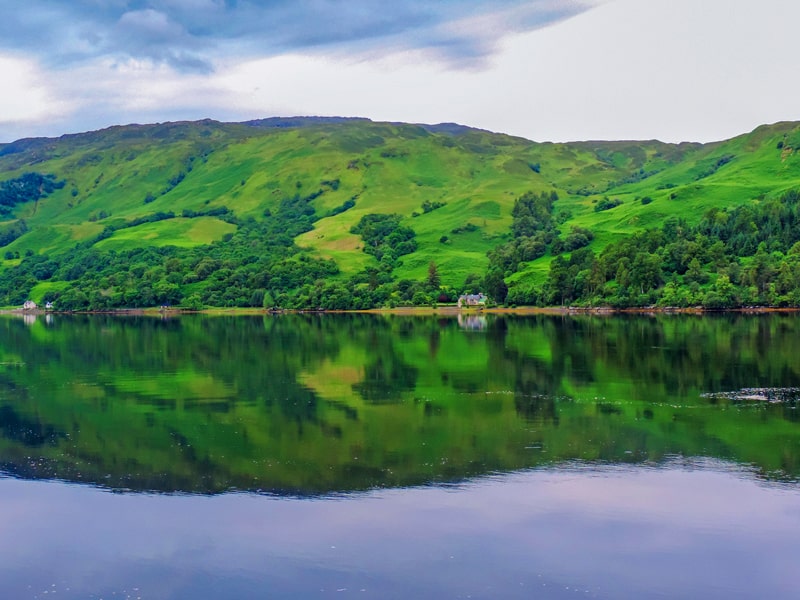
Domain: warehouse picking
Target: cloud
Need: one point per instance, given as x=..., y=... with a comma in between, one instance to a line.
x=154, y=35
x=26, y=98
x=112, y=91
x=191, y=34
x=624, y=70
x=670, y=69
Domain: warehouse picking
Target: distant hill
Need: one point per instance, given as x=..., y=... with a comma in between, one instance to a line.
x=296, y=122
x=281, y=211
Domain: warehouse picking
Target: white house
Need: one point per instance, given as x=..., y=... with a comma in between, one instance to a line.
x=29, y=305
x=471, y=300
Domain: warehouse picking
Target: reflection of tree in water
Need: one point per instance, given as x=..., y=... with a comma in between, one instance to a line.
x=27, y=431
x=678, y=356
x=536, y=408
x=662, y=356
x=434, y=339
x=387, y=377
x=385, y=380
x=536, y=383
x=572, y=355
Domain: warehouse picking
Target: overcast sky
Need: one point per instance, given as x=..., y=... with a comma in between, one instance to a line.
x=547, y=70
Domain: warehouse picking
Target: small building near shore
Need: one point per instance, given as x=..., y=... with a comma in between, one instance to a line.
x=29, y=305
x=471, y=300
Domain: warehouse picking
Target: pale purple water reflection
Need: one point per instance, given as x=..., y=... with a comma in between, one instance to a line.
x=701, y=529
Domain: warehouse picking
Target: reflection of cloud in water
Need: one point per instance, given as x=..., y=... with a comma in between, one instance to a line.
x=689, y=530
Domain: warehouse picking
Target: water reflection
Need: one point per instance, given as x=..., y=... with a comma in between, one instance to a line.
x=313, y=404
x=690, y=529
x=472, y=322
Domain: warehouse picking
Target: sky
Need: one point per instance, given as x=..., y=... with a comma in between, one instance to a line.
x=546, y=70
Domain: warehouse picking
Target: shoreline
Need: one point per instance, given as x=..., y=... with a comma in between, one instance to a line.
x=447, y=310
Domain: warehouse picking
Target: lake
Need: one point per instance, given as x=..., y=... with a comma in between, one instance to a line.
x=379, y=456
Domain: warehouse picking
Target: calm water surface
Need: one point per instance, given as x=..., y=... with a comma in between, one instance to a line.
x=399, y=457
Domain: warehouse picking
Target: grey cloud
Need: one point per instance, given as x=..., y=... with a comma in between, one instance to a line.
x=189, y=34
x=151, y=34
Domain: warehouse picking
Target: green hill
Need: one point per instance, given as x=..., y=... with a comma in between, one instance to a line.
x=208, y=213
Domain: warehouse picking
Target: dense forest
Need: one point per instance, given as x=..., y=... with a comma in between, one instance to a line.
x=746, y=256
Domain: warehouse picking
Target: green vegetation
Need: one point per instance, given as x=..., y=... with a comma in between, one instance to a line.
x=384, y=237
x=26, y=188
x=309, y=404
x=606, y=204
x=12, y=231
x=261, y=202
x=749, y=255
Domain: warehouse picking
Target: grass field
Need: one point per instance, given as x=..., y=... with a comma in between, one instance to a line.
x=180, y=232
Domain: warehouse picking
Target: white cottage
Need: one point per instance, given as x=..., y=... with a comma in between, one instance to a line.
x=29, y=305
x=476, y=300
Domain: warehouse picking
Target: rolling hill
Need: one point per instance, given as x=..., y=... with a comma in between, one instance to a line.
x=264, y=212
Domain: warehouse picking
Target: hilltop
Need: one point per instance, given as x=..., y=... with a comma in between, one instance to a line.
x=349, y=213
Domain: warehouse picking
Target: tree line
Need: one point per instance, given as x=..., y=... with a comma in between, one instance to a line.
x=745, y=256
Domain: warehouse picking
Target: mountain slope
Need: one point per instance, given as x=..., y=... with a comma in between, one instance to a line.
x=187, y=185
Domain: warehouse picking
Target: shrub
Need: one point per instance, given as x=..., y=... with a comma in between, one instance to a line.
x=606, y=204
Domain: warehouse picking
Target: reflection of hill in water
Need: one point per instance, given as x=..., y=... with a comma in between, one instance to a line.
x=305, y=404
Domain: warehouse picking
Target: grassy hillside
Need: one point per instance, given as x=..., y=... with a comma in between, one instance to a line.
x=190, y=185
